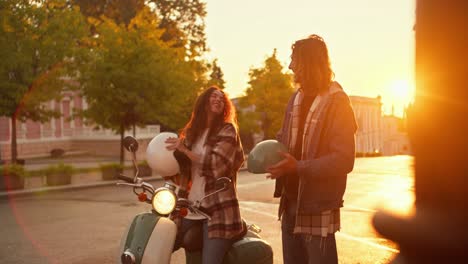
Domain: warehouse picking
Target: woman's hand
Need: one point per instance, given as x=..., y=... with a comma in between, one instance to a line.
x=287, y=165
x=174, y=143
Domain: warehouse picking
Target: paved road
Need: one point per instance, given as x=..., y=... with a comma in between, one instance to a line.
x=85, y=226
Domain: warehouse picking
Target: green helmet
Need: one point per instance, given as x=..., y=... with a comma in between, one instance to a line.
x=265, y=154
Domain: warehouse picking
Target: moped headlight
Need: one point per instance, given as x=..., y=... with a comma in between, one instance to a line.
x=164, y=201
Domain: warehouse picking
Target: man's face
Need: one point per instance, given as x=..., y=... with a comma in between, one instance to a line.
x=294, y=67
x=298, y=76
x=293, y=63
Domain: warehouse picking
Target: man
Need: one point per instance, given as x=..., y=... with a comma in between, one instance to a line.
x=318, y=129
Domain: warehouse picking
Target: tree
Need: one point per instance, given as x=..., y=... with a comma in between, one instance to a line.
x=121, y=11
x=36, y=52
x=184, y=24
x=216, y=76
x=267, y=95
x=133, y=77
x=182, y=21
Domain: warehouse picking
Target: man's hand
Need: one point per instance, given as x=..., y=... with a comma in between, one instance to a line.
x=287, y=165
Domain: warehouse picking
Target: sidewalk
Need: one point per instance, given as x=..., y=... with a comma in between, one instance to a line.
x=85, y=161
x=79, y=162
x=78, y=182
x=77, y=186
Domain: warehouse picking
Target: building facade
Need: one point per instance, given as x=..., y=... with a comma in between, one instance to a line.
x=376, y=135
x=396, y=141
x=369, y=136
x=68, y=132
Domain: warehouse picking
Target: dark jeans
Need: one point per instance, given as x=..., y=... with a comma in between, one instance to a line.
x=298, y=249
x=213, y=249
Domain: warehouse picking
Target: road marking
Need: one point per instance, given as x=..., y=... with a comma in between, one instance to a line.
x=364, y=241
x=359, y=208
x=257, y=210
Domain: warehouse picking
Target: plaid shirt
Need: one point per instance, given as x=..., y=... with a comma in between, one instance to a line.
x=326, y=221
x=223, y=156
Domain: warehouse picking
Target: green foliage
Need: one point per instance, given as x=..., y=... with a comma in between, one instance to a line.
x=216, y=76
x=36, y=49
x=120, y=11
x=183, y=24
x=143, y=163
x=108, y=166
x=60, y=168
x=266, y=98
x=13, y=169
x=138, y=61
x=111, y=170
x=37, y=53
x=59, y=174
x=181, y=21
x=134, y=78
x=368, y=154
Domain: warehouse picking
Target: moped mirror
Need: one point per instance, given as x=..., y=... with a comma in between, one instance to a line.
x=130, y=144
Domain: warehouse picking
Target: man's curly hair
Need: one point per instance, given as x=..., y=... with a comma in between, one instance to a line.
x=313, y=68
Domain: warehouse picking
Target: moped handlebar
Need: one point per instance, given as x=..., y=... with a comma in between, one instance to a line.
x=194, y=207
x=138, y=184
x=125, y=178
x=131, y=144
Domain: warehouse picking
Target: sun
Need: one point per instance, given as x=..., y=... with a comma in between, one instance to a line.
x=402, y=91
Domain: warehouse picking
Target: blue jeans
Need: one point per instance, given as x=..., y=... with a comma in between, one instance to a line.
x=214, y=249
x=298, y=249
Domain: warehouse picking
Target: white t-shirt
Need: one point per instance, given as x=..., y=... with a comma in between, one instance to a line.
x=197, y=191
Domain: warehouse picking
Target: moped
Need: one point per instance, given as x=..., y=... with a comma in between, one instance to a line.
x=150, y=237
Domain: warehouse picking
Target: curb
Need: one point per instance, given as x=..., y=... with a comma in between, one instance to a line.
x=48, y=189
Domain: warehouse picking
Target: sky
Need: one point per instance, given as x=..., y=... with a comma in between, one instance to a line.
x=370, y=42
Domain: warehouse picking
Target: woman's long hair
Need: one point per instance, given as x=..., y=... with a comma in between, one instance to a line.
x=198, y=120
x=313, y=64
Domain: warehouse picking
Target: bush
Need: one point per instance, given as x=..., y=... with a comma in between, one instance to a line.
x=60, y=168
x=111, y=166
x=13, y=169
x=59, y=174
x=12, y=177
x=368, y=154
x=144, y=169
x=110, y=170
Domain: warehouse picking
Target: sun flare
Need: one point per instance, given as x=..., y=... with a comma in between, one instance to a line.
x=402, y=91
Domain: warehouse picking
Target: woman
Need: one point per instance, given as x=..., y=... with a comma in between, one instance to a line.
x=208, y=148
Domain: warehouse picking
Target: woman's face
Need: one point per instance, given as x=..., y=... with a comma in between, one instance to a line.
x=216, y=103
